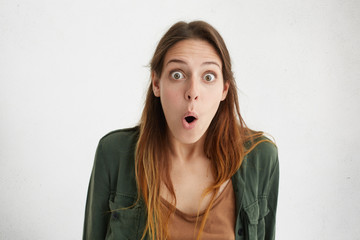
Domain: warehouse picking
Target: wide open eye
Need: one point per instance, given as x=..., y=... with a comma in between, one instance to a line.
x=177, y=75
x=209, y=77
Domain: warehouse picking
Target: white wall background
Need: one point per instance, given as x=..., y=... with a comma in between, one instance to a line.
x=73, y=70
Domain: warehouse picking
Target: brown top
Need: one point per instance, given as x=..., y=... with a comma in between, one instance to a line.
x=220, y=223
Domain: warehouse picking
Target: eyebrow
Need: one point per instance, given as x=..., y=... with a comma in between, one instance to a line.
x=183, y=62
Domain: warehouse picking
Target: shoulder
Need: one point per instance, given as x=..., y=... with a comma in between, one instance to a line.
x=114, y=160
x=117, y=147
x=120, y=140
x=263, y=158
x=259, y=169
x=264, y=147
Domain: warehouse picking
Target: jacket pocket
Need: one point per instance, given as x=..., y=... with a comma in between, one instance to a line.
x=124, y=218
x=256, y=213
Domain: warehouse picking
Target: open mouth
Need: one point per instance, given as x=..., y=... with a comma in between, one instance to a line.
x=189, y=119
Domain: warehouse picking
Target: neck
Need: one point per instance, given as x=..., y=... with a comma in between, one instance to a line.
x=186, y=153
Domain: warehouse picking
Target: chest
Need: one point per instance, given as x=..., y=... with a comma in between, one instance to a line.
x=220, y=220
x=189, y=188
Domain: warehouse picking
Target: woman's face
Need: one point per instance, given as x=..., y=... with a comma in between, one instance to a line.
x=190, y=88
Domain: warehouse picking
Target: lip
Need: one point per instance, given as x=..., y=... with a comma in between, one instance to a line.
x=191, y=125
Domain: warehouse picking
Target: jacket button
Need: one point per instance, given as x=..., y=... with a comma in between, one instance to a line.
x=115, y=215
x=240, y=232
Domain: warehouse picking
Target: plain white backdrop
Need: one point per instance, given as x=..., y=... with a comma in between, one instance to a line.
x=73, y=70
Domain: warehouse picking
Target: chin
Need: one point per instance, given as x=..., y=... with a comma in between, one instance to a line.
x=189, y=138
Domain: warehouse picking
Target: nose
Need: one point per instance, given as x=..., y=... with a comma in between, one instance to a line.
x=192, y=92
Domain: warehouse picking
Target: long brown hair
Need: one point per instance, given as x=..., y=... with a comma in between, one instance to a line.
x=224, y=142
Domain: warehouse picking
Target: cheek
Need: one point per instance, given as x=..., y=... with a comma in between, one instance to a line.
x=170, y=98
x=212, y=107
x=212, y=97
x=169, y=94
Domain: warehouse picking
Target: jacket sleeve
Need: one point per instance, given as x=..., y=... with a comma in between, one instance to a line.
x=97, y=204
x=270, y=218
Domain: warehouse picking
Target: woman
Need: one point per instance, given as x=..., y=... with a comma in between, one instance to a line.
x=191, y=169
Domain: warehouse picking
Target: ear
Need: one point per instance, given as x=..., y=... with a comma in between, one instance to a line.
x=225, y=91
x=155, y=84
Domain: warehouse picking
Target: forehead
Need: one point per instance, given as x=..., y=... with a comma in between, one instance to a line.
x=192, y=50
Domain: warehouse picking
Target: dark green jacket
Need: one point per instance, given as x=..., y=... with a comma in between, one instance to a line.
x=113, y=186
